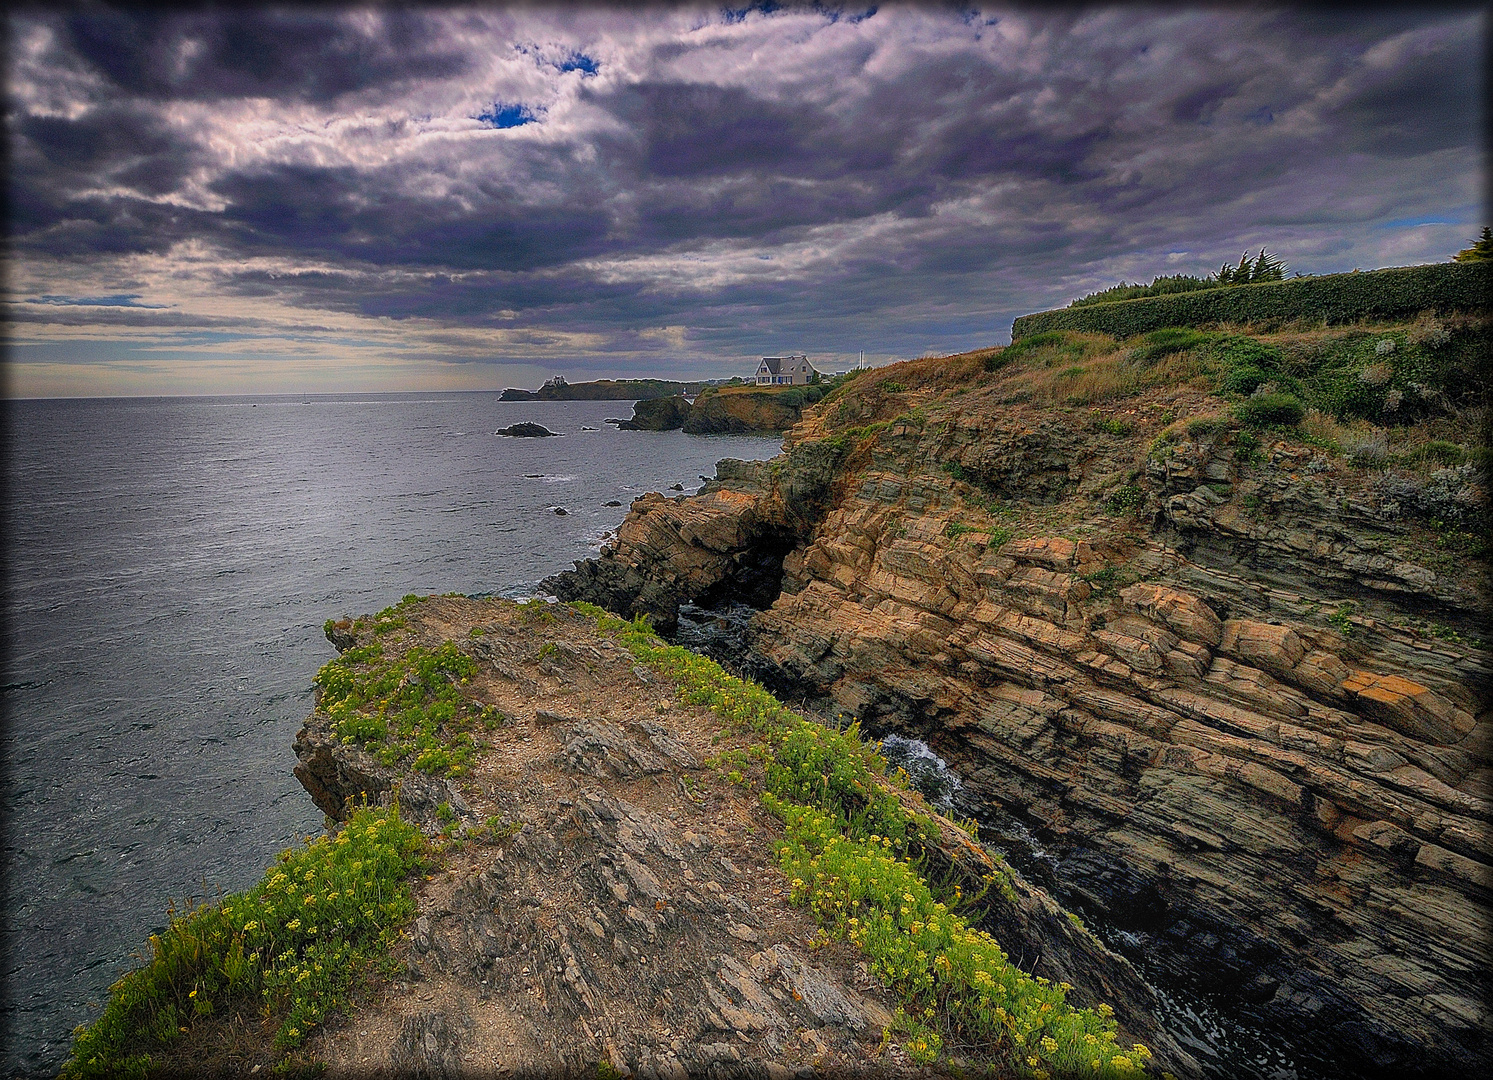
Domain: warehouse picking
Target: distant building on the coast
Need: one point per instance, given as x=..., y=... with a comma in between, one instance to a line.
x=555, y=381
x=791, y=370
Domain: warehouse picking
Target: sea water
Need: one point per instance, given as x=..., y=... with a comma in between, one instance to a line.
x=170, y=563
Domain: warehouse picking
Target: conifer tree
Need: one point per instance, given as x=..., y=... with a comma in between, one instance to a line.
x=1481, y=249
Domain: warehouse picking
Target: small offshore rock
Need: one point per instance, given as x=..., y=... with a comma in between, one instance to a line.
x=561, y=511
x=613, y=502
x=526, y=430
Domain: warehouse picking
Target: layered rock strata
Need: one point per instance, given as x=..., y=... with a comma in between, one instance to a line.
x=1208, y=701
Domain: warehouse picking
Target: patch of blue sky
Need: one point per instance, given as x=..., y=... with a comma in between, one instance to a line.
x=117, y=300
x=834, y=13
x=579, y=61
x=503, y=115
x=1435, y=219
x=738, y=15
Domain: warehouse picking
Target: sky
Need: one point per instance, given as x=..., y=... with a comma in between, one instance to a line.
x=324, y=199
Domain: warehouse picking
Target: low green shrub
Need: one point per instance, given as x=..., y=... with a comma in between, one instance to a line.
x=1112, y=425
x=892, y=386
x=1125, y=499
x=294, y=948
x=1443, y=452
x=1247, y=447
x=1166, y=341
x=1271, y=410
x=1202, y=427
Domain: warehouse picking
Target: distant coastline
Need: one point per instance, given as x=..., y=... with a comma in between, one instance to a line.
x=604, y=390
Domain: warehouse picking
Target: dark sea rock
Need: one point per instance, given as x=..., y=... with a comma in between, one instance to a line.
x=526, y=431
x=659, y=414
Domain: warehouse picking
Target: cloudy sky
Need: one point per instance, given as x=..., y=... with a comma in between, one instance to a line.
x=318, y=199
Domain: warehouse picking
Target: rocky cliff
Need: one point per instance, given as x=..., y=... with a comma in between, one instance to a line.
x=606, y=899
x=1228, y=675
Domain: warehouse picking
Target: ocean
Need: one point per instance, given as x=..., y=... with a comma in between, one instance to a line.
x=169, y=565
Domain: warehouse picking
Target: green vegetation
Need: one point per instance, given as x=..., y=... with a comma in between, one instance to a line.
x=1396, y=376
x=1400, y=292
x=1271, y=410
x=1202, y=427
x=411, y=708
x=854, y=852
x=1055, y=340
x=293, y=948
x=1341, y=618
x=1125, y=499
x=1161, y=286
x=1264, y=267
x=798, y=396
x=1165, y=342
x=1247, y=448
x=1480, y=251
x=891, y=386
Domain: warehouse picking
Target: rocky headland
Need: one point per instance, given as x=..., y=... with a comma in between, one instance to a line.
x=1218, y=652
x=731, y=410
x=608, y=897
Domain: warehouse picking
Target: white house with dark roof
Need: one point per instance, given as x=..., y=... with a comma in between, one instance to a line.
x=791, y=370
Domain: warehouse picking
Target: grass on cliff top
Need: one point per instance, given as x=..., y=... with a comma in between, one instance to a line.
x=1394, y=375
x=407, y=709
x=853, y=852
x=289, y=950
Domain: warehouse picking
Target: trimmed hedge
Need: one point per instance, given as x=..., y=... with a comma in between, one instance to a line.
x=1399, y=292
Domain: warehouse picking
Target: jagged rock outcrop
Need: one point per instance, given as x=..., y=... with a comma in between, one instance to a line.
x=1190, y=664
x=611, y=904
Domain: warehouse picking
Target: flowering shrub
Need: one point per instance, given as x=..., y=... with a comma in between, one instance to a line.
x=850, y=851
x=946, y=971
x=294, y=946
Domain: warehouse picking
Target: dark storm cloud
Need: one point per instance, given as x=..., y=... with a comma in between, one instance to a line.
x=309, y=54
x=797, y=172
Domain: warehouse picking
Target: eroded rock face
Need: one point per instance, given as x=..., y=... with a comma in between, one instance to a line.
x=1294, y=809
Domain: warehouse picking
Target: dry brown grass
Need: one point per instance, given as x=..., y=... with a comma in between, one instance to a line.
x=928, y=372
x=1091, y=369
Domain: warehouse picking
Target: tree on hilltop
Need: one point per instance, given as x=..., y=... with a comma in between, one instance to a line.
x=1480, y=251
x=1265, y=267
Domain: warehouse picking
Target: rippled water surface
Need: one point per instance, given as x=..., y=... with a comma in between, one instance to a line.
x=170, y=565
